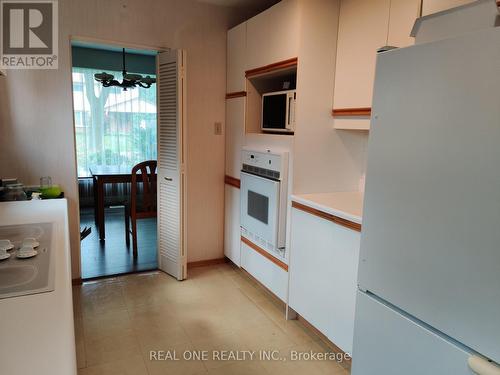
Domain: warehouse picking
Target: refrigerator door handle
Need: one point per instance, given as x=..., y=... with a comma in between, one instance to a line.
x=482, y=366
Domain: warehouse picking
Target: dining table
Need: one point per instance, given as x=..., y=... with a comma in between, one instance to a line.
x=102, y=175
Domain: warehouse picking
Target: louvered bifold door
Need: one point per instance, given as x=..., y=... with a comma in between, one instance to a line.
x=171, y=163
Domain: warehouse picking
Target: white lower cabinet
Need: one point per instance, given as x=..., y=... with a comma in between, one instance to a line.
x=232, y=224
x=266, y=272
x=323, y=275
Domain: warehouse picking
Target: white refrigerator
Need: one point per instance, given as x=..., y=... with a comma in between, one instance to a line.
x=429, y=273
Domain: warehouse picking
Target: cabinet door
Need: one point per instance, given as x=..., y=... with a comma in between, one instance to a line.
x=363, y=28
x=236, y=62
x=403, y=14
x=434, y=6
x=323, y=275
x=235, y=134
x=273, y=35
x=232, y=224
x=266, y=272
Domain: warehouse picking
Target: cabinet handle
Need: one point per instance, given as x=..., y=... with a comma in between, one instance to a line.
x=482, y=366
x=168, y=178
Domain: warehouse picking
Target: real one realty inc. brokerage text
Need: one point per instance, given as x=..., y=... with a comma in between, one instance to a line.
x=245, y=355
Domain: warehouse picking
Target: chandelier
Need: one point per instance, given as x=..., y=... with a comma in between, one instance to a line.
x=129, y=80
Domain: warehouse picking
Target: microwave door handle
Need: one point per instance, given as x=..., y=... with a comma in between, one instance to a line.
x=288, y=116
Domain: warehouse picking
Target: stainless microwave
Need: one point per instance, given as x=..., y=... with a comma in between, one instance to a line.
x=278, y=111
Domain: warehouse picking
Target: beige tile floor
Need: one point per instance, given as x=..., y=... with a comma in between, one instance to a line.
x=119, y=321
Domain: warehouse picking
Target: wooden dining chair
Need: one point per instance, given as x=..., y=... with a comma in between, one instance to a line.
x=140, y=206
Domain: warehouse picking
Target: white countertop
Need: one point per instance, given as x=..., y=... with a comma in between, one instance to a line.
x=37, y=331
x=346, y=205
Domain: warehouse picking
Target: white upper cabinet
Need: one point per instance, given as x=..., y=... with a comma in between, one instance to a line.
x=273, y=35
x=236, y=58
x=434, y=6
x=364, y=27
x=362, y=30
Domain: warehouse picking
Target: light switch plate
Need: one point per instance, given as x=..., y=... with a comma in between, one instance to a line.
x=218, y=128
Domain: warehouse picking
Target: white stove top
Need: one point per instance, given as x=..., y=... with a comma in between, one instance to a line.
x=32, y=275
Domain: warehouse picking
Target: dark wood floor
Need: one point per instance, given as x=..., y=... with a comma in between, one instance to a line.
x=112, y=257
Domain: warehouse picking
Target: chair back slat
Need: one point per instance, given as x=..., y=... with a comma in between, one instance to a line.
x=144, y=172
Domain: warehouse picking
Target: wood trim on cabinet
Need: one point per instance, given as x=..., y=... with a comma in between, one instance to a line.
x=264, y=253
x=324, y=215
x=233, y=181
x=349, y=112
x=236, y=94
x=272, y=67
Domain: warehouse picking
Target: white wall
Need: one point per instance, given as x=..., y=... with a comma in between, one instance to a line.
x=434, y=6
x=36, y=118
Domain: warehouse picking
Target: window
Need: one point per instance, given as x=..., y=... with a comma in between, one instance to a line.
x=258, y=206
x=113, y=127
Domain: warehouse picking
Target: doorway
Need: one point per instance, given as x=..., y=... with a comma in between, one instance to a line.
x=116, y=128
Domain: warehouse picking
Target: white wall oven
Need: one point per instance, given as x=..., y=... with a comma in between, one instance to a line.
x=264, y=180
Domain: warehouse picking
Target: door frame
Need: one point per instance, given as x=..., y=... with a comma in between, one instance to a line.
x=77, y=278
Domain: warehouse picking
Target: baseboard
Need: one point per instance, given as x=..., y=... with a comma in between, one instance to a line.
x=207, y=262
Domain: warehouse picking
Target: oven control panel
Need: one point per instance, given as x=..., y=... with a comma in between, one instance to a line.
x=264, y=159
